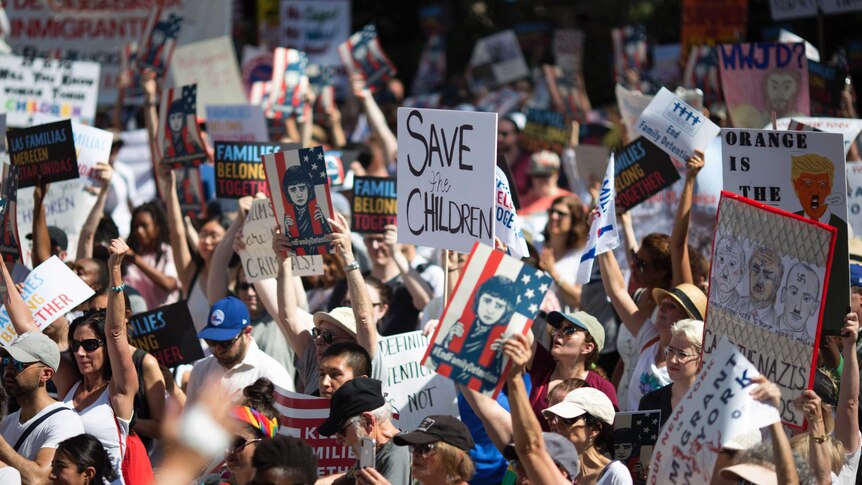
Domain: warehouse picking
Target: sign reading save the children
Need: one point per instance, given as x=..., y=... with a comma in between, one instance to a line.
x=446, y=163
x=374, y=204
x=642, y=170
x=168, y=333
x=50, y=291
x=675, y=127
x=239, y=169
x=45, y=152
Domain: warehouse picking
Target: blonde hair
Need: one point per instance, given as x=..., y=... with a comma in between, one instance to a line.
x=691, y=329
x=455, y=462
x=802, y=442
x=811, y=163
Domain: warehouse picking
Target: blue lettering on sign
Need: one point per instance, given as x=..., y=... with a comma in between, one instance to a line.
x=760, y=55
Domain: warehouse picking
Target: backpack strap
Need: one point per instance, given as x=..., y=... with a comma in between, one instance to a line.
x=35, y=424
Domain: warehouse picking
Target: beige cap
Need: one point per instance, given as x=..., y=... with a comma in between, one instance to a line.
x=341, y=316
x=756, y=474
x=584, y=400
x=583, y=320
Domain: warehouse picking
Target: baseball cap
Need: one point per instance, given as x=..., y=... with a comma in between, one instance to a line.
x=227, y=318
x=559, y=448
x=32, y=347
x=584, y=400
x=58, y=237
x=353, y=398
x=751, y=473
x=341, y=316
x=447, y=429
x=544, y=163
x=855, y=274
x=581, y=320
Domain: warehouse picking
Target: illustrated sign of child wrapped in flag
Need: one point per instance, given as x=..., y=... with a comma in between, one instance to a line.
x=179, y=134
x=496, y=297
x=299, y=186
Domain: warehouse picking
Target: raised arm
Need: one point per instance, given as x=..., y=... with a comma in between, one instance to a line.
x=785, y=468
x=819, y=458
x=124, y=377
x=88, y=231
x=19, y=314
x=376, y=119
x=219, y=272
x=41, y=238
x=151, y=114
x=680, y=261
x=366, y=327
x=186, y=267
x=496, y=420
x=847, y=414
x=420, y=291
x=295, y=323
x=307, y=125
x=615, y=287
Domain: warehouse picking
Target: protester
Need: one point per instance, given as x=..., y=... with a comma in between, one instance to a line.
x=342, y=362
x=564, y=238
x=561, y=451
x=284, y=460
x=508, y=134
x=81, y=460
x=151, y=269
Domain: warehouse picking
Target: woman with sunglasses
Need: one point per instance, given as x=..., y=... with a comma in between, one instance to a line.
x=565, y=236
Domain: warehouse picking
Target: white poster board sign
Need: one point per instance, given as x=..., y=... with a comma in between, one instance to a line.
x=497, y=60
x=212, y=65
x=236, y=122
x=848, y=127
x=316, y=28
x=854, y=198
x=675, y=127
x=446, y=169
x=631, y=104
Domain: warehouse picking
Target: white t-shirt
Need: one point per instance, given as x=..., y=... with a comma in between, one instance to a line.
x=647, y=376
x=615, y=473
x=254, y=365
x=567, y=268
x=851, y=465
x=49, y=434
x=9, y=476
x=100, y=421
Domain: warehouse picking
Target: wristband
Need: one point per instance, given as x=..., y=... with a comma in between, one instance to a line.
x=117, y=289
x=200, y=432
x=820, y=439
x=351, y=267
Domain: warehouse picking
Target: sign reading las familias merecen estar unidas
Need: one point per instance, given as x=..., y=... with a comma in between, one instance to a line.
x=45, y=152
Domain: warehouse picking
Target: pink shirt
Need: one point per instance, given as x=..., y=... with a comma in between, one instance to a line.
x=152, y=293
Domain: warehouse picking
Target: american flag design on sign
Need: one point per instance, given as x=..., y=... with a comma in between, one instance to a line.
x=496, y=297
x=158, y=40
x=10, y=246
x=635, y=436
x=320, y=78
x=299, y=185
x=299, y=415
x=363, y=54
x=179, y=134
x=701, y=72
x=630, y=50
x=289, y=82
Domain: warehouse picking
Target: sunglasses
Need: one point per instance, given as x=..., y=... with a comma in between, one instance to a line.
x=244, y=286
x=326, y=335
x=566, y=330
x=552, y=212
x=239, y=443
x=18, y=367
x=350, y=304
x=553, y=418
x=423, y=450
x=223, y=343
x=90, y=345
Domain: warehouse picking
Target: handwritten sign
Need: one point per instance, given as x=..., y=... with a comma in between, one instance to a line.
x=212, y=66
x=849, y=128
x=236, y=122
x=168, y=333
x=316, y=28
x=675, y=127
x=568, y=46
x=446, y=163
x=642, y=170
x=50, y=291
x=239, y=169
x=43, y=152
x=374, y=204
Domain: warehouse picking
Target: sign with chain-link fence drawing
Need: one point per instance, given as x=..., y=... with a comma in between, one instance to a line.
x=767, y=286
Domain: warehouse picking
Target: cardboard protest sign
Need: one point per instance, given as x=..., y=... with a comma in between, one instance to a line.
x=92, y=146
x=544, y=130
x=496, y=60
x=158, y=40
x=716, y=409
x=854, y=197
x=168, y=333
x=675, y=127
x=751, y=300
x=642, y=170
x=190, y=191
x=300, y=197
x=630, y=50
x=413, y=389
x=569, y=86
x=43, y=152
x=631, y=104
x=635, y=436
x=568, y=46
x=825, y=85
x=210, y=65
x=710, y=22
x=179, y=138
x=803, y=173
x=603, y=235
x=289, y=84
x=50, y=291
x=759, y=78
x=508, y=227
x=239, y=167
x=446, y=163
x=256, y=66
x=849, y=128
x=338, y=165
x=374, y=204
x=362, y=54
x=66, y=89
x=496, y=297
x=316, y=28
x=236, y=122
x=299, y=416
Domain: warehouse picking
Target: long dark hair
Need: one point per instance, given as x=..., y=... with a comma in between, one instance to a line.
x=155, y=209
x=578, y=230
x=85, y=450
x=95, y=319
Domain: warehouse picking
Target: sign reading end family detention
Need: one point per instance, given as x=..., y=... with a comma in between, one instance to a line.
x=374, y=204
x=168, y=333
x=45, y=152
x=239, y=169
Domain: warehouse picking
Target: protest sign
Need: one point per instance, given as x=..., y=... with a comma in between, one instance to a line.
x=603, y=235
x=675, y=127
x=496, y=297
x=849, y=128
x=238, y=167
x=825, y=84
x=50, y=291
x=751, y=300
x=65, y=89
x=431, y=73
x=568, y=45
x=190, y=191
x=320, y=80
x=299, y=416
x=236, y=122
x=338, y=165
x=43, y=153
x=256, y=66
x=642, y=170
x=362, y=54
x=210, y=65
x=854, y=197
x=259, y=261
x=413, y=389
x=544, y=130
x=631, y=104
x=446, y=165
x=716, y=409
x=568, y=88
x=665, y=69
x=800, y=172
x=500, y=101
x=702, y=73
x=761, y=78
x=179, y=137
x=710, y=22
x=788, y=37
x=316, y=28
x=635, y=436
x=158, y=41
x=496, y=60
x=508, y=226
x=783, y=10
x=630, y=50
x=10, y=246
x=300, y=197
x=590, y=161
x=167, y=333
x=92, y=146
x=289, y=84
x=374, y=204
x=136, y=154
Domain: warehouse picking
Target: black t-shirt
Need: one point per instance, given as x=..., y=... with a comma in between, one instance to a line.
x=658, y=399
x=402, y=316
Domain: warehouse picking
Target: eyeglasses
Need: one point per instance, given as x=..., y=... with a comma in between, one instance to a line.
x=244, y=286
x=210, y=235
x=555, y=212
x=681, y=356
x=90, y=345
x=326, y=335
x=343, y=431
x=239, y=443
x=553, y=418
x=423, y=450
x=18, y=367
x=223, y=343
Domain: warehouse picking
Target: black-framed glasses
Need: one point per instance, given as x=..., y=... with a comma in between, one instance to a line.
x=223, y=343
x=423, y=450
x=17, y=366
x=239, y=443
x=326, y=335
x=89, y=345
x=350, y=304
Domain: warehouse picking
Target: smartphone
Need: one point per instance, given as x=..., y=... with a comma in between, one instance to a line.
x=367, y=452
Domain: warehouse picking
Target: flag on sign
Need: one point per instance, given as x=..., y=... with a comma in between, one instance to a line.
x=158, y=40
x=179, y=134
x=10, y=247
x=289, y=82
x=508, y=226
x=363, y=54
x=299, y=184
x=630, y=50
x=496, y=297
x=635, y=436
x=320, y=80
x=603, y=235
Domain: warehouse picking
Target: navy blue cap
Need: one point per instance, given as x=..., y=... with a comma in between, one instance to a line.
x=227, y=319
x=855, y=274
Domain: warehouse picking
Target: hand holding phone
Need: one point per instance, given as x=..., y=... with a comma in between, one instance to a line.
x=367, y=452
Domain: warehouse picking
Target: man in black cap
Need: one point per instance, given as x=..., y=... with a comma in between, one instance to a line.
x=59, y=243
x=358, y=410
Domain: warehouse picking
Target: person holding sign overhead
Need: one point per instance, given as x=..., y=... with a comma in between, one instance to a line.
x=304, y=218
